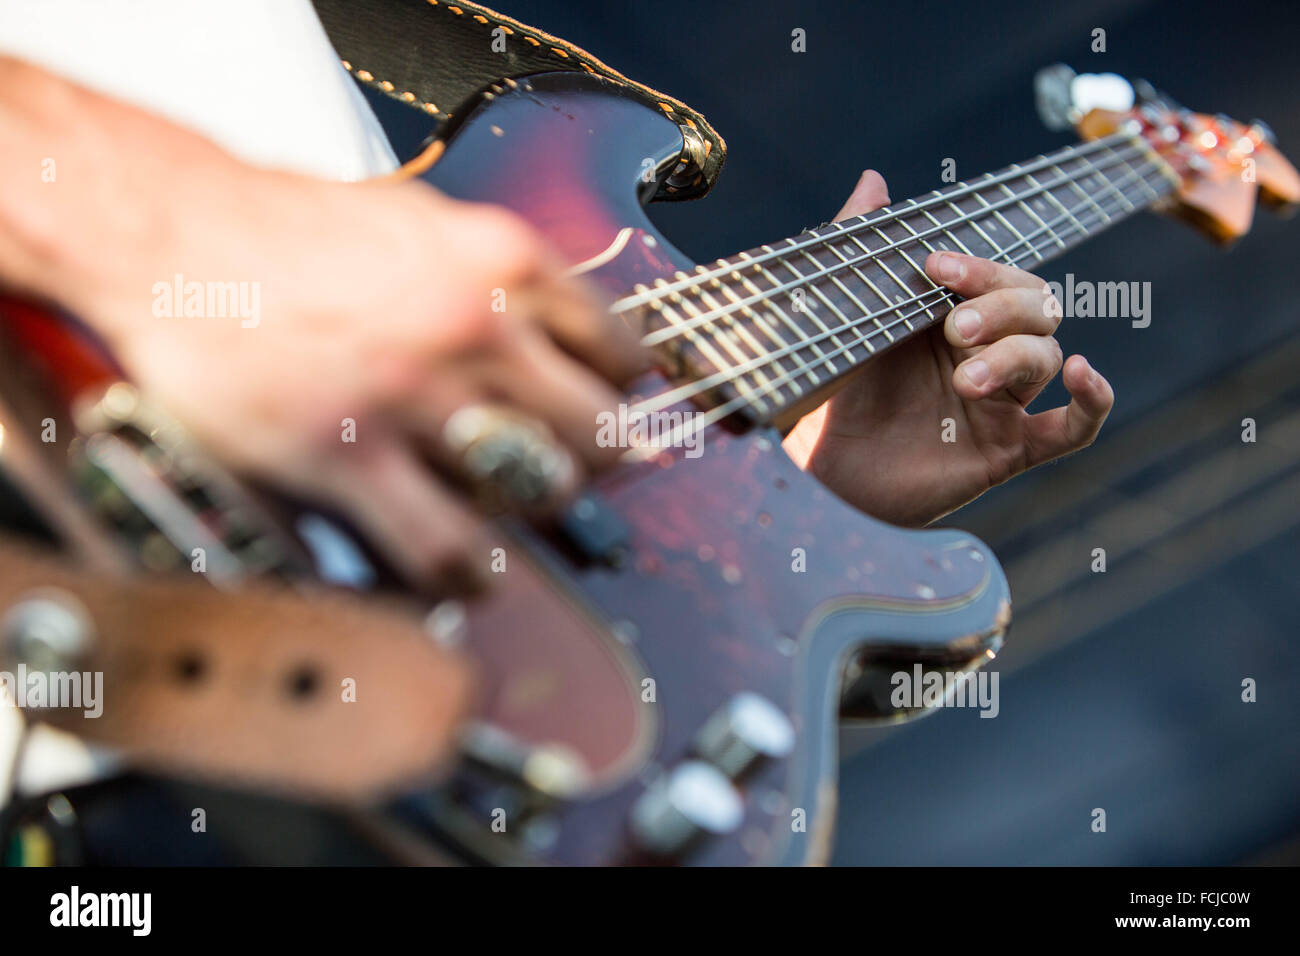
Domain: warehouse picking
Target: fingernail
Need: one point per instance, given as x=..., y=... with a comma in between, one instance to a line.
x=951, y=269
x=977, y=372
x=968, y=323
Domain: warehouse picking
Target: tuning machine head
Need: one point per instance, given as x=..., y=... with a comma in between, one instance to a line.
x=1064, y=97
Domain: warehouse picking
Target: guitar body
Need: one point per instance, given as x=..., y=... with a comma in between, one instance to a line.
x=661, y=670
x=680, y=587
x=737, y=572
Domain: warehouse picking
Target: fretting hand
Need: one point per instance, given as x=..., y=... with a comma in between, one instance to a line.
x=879, y=442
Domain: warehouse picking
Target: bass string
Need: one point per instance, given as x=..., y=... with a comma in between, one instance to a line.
x=698, y=422
x=680, y=329
x=696, y=387
x=890, y=215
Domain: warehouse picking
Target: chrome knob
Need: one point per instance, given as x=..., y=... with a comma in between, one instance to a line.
x=692, y=800
x=47, y=630
x=549, y=771
x=1052, y=96
x=747, y=729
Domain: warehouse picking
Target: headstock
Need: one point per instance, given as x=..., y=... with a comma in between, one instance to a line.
x=1217, y=163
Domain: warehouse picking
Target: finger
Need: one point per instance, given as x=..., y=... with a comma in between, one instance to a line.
x=868, y=195
x=427, y=418
x=432, y=540
x=997, y=314
x=1051, y=434
x=547, y=384
x=1018, y=364
x=582, y=326
x=970, y=276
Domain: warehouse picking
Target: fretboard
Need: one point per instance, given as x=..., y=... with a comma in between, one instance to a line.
x=773, y=328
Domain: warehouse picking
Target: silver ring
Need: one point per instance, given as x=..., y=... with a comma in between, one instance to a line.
x=512, y=460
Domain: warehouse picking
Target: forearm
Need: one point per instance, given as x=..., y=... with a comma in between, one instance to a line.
x=36, y=255
x=73, y=227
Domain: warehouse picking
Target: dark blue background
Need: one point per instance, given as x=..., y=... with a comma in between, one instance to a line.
x=1119, y=691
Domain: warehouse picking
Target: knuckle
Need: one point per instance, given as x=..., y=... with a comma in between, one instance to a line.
x=486, y=328
x=477, y=329
x=1008, y=304
x=1048, y=305
x=981, y=272
x=512, y=241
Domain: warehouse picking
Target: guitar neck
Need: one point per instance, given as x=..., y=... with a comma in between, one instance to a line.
x=771, y=331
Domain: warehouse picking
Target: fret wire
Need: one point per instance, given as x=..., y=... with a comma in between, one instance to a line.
x=1087, y=197
x=1051, y=196
x=808, y=309
x=1040, y=201
x=1134, y=141
x=1151, y=193
x=863, y=339
x=870, y=258
x=830, y=274
x=884, y=266
x=956, y=240
x=724, y=337
x=1038, y=219
x=920, y=269
x=702, y=344
x=1019, y=203
x=908, y=226
x=699, y=423
x=973, y=221
x=1006, y=224
x=694, y=388
x=864, y=280
x=655, y=338
x=821, y=295
x=727, y=408
x=770, y=331
x=674, y=322
x=704, y=385
x=1129, y=206
x=948, y=295
x=780, y=312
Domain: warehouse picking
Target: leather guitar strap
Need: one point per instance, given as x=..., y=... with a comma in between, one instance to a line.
x=328, y=697
x=437, y=56
x=324, y=698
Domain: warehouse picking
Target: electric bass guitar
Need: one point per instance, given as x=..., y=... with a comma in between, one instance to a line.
x=661, y=673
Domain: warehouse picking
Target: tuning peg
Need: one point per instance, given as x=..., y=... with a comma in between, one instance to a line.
x=1052, y=96
x=1103, y=91
x=1064, y=97
x=689, y=802
x=1146, y=92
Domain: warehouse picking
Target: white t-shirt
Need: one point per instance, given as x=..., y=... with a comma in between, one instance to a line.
x=259, y=78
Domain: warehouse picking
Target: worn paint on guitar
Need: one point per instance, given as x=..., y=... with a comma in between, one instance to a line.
x=708, y=602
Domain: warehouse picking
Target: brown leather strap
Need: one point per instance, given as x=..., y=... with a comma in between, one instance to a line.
x=437, y=55
x=322, y=697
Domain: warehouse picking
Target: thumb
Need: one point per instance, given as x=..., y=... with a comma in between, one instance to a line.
x=870, y=193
